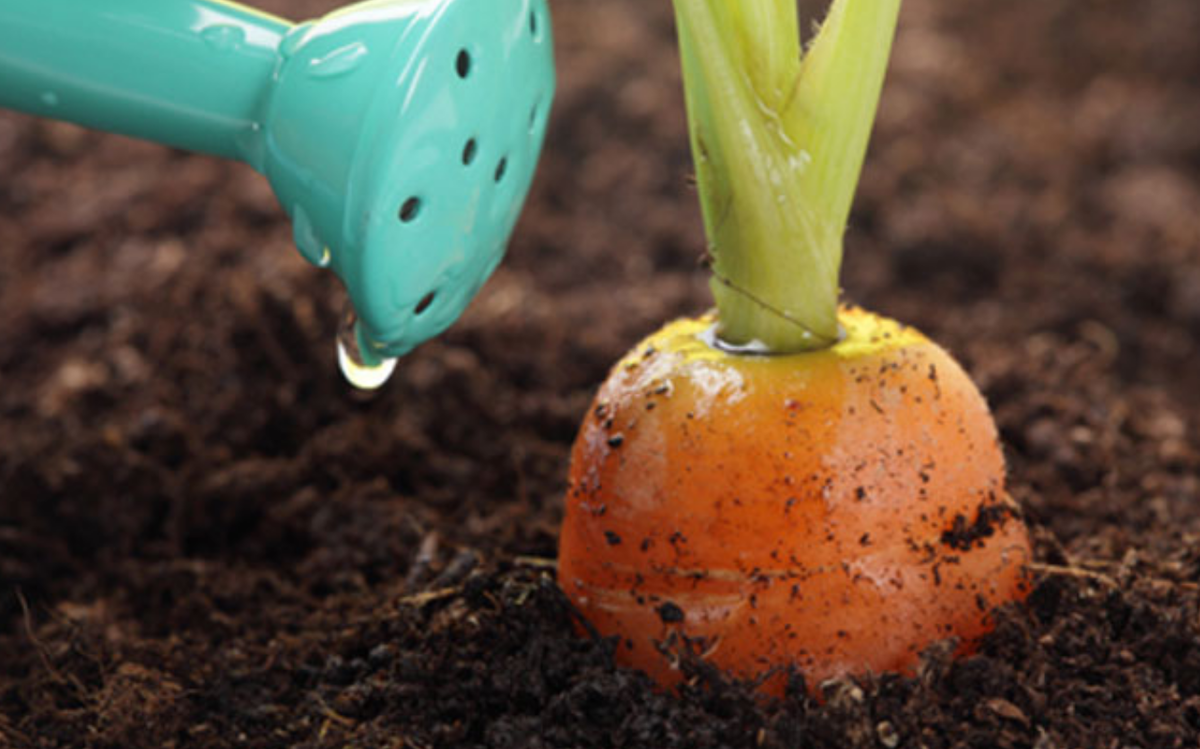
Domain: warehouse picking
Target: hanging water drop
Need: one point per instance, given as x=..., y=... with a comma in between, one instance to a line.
x=363, y=371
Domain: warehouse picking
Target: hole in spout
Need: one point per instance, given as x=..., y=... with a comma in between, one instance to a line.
x=410, y=210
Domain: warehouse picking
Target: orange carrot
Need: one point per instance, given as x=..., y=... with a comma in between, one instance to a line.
x=837, y=511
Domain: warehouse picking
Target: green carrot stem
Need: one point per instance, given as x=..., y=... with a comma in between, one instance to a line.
x=778, y=137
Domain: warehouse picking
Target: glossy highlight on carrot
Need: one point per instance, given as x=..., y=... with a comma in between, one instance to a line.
x=836, y=511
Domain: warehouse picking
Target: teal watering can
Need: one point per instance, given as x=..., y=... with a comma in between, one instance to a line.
x=400, y=136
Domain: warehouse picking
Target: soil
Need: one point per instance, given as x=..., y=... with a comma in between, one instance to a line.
x=206, y=539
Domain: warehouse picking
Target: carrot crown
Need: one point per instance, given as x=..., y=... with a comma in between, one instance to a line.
x=778, y=137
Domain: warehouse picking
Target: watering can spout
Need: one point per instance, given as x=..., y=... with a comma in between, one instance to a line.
x=400, y=136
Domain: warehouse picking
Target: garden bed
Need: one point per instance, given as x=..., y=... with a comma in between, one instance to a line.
x=207, y=539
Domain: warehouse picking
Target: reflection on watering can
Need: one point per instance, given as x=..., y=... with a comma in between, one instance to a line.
x=400, y=136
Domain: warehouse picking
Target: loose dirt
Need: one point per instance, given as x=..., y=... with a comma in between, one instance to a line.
x=206, y=539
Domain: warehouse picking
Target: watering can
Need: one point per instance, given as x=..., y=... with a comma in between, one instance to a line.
x=400, y=136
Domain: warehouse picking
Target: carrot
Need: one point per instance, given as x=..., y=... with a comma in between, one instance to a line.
x=837, y=511
x=786, y=483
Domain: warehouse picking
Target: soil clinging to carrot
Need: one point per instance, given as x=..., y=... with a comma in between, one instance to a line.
x=206, y=540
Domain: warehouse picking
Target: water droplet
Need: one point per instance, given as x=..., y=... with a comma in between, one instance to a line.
x=365, y=372
x=224, y=37
x=339, y=62
x=363, y=376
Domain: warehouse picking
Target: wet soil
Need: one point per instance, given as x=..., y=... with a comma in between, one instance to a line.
x=206, y=539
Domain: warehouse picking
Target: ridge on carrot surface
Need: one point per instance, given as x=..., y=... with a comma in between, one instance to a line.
x=778, y=137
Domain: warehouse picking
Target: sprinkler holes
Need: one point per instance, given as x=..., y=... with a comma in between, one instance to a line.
x=410, y=210
x=501, y=169
x=469, y=151
x=462, y=65
x=425, y=303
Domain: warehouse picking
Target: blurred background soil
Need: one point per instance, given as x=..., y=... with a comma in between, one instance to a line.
x=206, y=539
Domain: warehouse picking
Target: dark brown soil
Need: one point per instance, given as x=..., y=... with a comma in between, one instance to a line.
x=206, y=539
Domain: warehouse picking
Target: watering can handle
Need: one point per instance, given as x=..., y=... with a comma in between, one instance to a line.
x=186, y=73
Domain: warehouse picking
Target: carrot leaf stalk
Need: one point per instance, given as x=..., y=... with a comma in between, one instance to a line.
x=778, y=136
